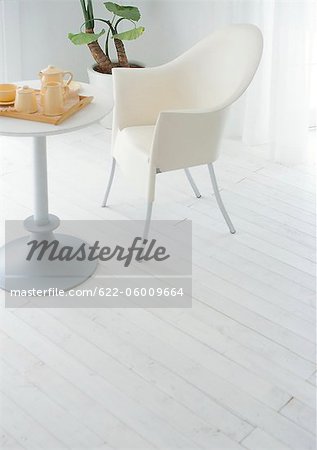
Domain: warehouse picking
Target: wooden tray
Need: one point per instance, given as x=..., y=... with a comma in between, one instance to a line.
x=71, y=107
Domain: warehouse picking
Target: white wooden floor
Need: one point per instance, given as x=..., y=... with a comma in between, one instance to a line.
x=237, y=371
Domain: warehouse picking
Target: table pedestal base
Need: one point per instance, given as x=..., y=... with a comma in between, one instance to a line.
x=16, y=272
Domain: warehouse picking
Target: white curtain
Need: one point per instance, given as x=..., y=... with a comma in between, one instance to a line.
x=10, y=41
x=275, y=111
x=273, y=115
x=2, y=44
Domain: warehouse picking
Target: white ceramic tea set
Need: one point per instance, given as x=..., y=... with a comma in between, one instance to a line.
x=55, y=91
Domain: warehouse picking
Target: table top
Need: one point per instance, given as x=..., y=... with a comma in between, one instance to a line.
x=92, y=113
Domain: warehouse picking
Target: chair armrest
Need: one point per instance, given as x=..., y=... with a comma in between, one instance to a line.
x=186, y=138
x=141, y=94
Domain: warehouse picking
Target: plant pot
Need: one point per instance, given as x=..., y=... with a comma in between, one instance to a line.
x=103, y=81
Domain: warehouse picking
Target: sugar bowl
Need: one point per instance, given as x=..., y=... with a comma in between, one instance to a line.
x=25, y=100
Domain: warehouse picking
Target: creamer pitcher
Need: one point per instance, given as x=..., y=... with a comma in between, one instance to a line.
x=53, y=99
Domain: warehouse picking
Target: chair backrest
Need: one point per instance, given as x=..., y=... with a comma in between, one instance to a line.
x=210, y=77
x=218, y=69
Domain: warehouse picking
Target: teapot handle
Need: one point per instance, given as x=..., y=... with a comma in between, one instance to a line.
x=70, y=77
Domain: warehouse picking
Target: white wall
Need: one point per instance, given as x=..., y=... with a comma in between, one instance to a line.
x=41, y=28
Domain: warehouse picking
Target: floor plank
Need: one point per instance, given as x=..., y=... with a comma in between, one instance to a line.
x=301, y=414
x=18, y=423
x=260, y=440
x=7, y=442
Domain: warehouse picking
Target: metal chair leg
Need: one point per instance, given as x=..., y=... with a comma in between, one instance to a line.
x=218, y=198
x=192, y=183
x=113, y=168
x=146, y=230
x=147, y=220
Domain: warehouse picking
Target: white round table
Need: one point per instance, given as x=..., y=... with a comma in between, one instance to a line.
x=16, y=272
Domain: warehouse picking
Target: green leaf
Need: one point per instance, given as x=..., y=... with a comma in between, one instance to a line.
x=129, y=35
x=84, y=38
x=127, y=12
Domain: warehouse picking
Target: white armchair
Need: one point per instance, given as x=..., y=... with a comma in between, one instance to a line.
x=172, y=116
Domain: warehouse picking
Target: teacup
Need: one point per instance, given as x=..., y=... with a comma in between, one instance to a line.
x=7, y=93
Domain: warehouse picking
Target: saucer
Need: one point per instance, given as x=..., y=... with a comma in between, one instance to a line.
x=7, y=103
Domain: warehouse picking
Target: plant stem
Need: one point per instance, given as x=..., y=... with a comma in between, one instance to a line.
x=122, y=57
x=117, y=23
x=90, y=13
x=103, y=61
x=121, y=54
x=94, y=20
x=107, y=43
x=83, y=7
x=120, y=20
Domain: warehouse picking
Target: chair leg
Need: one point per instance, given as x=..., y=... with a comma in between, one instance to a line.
x=146, y=230
x=218, y=198
x=113, y=168
x=192, y=183
x=147, y=220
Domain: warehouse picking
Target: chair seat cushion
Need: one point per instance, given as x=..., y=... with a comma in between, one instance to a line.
x=139, y=138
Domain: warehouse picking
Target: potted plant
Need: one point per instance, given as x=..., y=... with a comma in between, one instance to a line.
x=100, y=73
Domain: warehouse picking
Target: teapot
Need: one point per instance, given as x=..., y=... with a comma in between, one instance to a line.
x=52, y=74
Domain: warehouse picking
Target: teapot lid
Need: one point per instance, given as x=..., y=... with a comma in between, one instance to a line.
x=51, y=70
